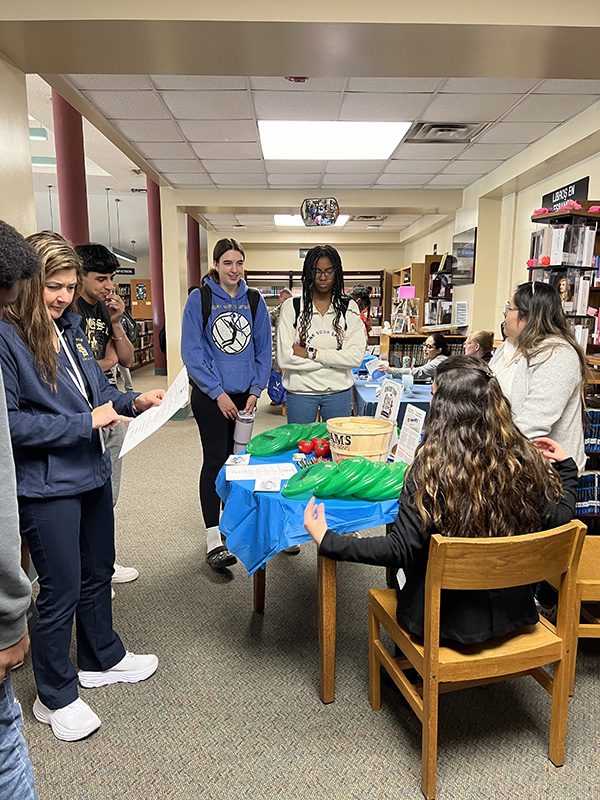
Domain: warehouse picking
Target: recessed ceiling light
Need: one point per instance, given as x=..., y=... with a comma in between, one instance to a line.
x=372, y=227
x=238, y=227
x=316, y=140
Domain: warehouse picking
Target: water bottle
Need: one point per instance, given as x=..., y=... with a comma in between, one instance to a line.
x=243, y=431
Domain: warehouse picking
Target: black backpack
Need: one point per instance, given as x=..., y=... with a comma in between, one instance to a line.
x=206, y=295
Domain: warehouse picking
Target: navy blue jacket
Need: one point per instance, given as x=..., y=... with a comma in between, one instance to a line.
x=56, y=451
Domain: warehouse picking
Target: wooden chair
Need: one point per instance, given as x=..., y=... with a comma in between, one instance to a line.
x=482, y=564
x=588, y=595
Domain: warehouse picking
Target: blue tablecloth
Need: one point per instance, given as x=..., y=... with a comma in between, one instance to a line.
x=365, y=400
x=260, y=524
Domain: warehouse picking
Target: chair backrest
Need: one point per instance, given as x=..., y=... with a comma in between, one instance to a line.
x=502, y=562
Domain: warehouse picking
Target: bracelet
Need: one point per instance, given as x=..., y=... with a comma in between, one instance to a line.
x=114, y=338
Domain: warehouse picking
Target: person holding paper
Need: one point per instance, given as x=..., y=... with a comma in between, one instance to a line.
x=226, y=347
x=475, y=475
x=59, y=404
x=435, y=351
x=542, y=369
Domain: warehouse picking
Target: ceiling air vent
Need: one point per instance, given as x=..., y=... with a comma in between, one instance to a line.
x=445, y=132
x=372, y=220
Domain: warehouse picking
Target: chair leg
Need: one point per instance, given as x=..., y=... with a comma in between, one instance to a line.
x=374, y=665
x=560, y=707
x=575, y=641
x=430, y=736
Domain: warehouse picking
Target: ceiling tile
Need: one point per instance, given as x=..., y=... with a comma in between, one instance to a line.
x=488, y=85
x=198, y=82
x=491, y=151
x=557, y=86
x=354, y=166
x=165, y=150
x=199, y=179
x=111, y=82
x=407, y=166
x=453, y=181
x=244, y=219
x=208, y=105
x=177, y=165
x=242, y=184
x=222, y=130
x=428, y=150
x=274, y=166
x=128, y=105
x=347, y=179
x=234, y=179
x=153, y=130
x=235, y=165
x=296, y=105
x=382, y=107
x=226, y=150
x=392, y=84
x=550, y=108
x=293, y=179
x=469, y=107
x=404, y=180
x=401, y=219
x=515, y=132
x=312, y=85
x=471, y=167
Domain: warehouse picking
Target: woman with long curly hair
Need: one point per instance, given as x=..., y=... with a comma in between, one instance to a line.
x=320, y=340
x=542, y=369
x=59, y=403
x=474, y=475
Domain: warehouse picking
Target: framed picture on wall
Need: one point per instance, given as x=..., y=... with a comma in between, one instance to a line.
x=463, y=250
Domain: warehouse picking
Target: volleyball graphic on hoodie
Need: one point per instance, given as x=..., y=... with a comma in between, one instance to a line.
x=231, y=332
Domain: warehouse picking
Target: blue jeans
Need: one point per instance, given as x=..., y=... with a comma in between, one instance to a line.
x=303, y=408
x=16, y=774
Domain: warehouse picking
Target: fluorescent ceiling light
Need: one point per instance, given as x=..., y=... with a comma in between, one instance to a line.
x=341, y=220
x=296, y=221
x=297, y=141
x=123, y=255
x=38, y=134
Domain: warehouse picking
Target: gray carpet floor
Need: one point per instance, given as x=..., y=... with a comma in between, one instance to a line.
x=233, y=710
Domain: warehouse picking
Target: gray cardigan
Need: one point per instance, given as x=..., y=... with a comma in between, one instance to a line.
x=15, y=589
x=423, y=374
x=546, y=396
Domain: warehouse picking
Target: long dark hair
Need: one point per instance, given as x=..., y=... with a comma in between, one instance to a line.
x=221, y=247
x=441, y=343
x=338, y=298
x=475, y=474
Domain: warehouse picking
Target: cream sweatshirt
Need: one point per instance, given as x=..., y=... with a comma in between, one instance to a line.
x=331, y=371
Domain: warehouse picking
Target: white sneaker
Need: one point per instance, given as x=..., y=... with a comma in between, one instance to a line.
x=112, y=593
x=124, y=574
x=130, y=669
x=70, y=723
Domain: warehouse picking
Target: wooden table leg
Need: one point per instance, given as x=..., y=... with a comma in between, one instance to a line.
x=259, y=588
x=327, y=590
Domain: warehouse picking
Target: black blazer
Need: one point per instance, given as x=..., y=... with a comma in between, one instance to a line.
x=466, y=616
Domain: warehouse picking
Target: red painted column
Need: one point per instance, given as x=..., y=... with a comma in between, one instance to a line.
x=193, y=251
x=70, y=171
x=156, y=273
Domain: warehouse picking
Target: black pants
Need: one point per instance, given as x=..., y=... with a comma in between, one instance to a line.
x=72, y=546
x=216, y=434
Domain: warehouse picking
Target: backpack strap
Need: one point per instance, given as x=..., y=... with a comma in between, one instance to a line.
x=206, y=295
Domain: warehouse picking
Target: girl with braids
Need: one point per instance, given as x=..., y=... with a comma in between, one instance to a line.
x=541, y=368
x=475, y=475
x=59, y=403
x=320, y=340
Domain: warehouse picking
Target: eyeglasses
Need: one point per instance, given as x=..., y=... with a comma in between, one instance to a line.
x=429, y=347
x=327, y=274
x=508, y=308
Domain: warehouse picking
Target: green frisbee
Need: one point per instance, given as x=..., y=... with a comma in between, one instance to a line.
x=350, y=475
x=307, y=479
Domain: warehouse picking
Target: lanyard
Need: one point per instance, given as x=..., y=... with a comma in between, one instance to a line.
x=77, y=378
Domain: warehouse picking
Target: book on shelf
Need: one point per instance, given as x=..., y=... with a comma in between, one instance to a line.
x=438, y=312
x=440, y=286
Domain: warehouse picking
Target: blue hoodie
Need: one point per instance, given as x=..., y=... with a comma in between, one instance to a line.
x=232, y=354
x=56, y=451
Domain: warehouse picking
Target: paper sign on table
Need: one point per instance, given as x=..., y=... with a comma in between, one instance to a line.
x=388, y=404
x=255, y=472
x=410, y=435
x=238, y=459
x=267, y=485
x=151, y=420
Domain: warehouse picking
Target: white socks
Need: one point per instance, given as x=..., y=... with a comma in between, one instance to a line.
x=213, y=538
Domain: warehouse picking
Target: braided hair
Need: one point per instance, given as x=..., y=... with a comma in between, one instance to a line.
x=338, y=298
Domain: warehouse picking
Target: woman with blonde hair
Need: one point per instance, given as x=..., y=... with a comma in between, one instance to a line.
x=480, y=344
x=476, y=475
x=59, y=403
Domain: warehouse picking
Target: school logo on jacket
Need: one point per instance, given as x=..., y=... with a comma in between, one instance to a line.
x=231, y=332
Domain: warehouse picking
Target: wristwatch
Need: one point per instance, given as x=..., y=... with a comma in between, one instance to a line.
x=312, y=352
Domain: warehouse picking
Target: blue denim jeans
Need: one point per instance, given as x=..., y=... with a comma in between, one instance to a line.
x=303, y=407
x=16, y=774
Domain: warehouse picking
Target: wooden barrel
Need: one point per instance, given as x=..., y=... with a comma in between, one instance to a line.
x=359, y=436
